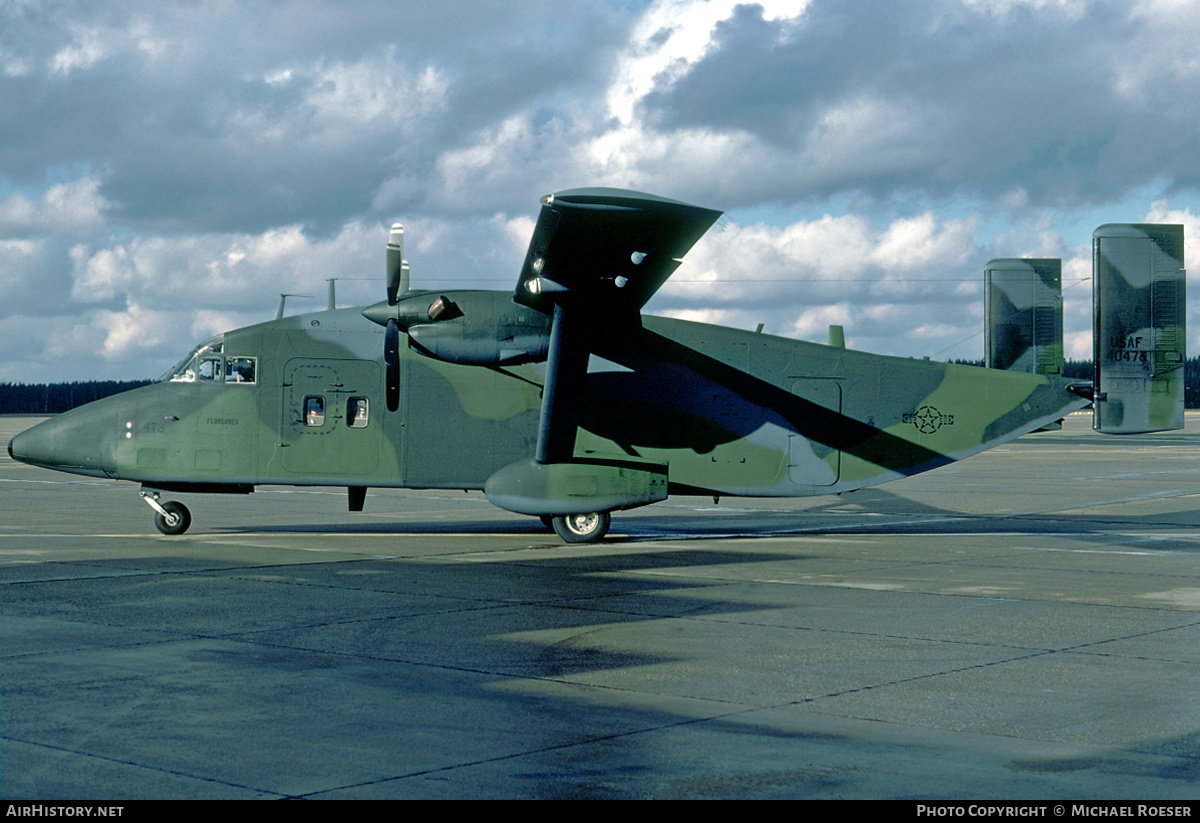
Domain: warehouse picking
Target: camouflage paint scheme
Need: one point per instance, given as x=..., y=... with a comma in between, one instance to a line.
x=661, y=406
x=1023, y=315
x=1139, y=306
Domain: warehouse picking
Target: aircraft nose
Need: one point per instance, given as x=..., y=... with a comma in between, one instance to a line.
x=29, y=446
x=75, y=441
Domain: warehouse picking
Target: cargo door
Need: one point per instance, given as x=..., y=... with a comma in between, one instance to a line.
x=332, y=423
x=811, y=463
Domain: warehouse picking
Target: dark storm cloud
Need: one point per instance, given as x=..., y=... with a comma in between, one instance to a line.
x=166, y=170
x=1049, y=100
x=241, y=117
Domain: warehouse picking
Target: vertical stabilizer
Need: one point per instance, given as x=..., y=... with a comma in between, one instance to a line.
x=1023, y=315
x=1138, y=303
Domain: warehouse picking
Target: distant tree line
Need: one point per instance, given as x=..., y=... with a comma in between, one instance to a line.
x=1082, y=370
x=1074, y=369
x=51, y=398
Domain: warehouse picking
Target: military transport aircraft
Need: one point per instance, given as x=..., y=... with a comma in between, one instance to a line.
x=560, y=400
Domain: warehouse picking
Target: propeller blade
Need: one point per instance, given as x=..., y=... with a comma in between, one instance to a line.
x=391, y=364
x=397, y=271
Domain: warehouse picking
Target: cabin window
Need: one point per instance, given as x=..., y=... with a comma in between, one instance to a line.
x=314, y=410
x=240, y=369
x=356, y=412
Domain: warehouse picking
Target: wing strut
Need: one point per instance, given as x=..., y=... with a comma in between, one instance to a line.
x=595, y=258
x=566, y=367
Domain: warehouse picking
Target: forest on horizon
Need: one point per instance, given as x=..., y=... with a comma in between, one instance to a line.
x=52, y=398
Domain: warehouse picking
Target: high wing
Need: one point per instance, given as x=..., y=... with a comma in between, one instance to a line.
x=606, y=249
x=688, y=407
x=596, y=256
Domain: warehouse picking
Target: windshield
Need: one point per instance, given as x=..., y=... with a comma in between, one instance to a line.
x=203, y=363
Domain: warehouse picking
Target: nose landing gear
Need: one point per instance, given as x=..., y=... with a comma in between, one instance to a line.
x=171, y=517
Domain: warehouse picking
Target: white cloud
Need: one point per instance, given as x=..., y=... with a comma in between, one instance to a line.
x=371, y=90
x=670, y=38
x=1077, y=345
x=89, y=48
x=13, y=66
x=1000, y=8
x=813, y=324
x=518, y=230
x=343, y=100
x=222, y=270
x=912, y=286
x=1164, y=57
x=64, y=208
x=135, y=329
x=920, y=243
x=868, y=134
x=1161, y=212
x=280, y=77
x=19, y=261
x=712, y=316
x=830, y=249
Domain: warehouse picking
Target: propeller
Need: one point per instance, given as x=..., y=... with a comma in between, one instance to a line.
x=468, y=327
x=397, y=266
x=397, y=284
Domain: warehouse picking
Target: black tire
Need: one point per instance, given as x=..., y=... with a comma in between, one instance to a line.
x=547, y=521
x=582, y=528
x=177, y=520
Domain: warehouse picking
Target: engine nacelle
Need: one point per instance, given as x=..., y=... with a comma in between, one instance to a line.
x=593, y=484
x=474, y=328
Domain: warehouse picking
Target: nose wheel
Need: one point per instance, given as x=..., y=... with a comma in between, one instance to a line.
x=171, y=517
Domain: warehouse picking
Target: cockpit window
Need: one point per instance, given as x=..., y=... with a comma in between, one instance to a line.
x=208, y=366
x=206, y=363
x=240, y=369
x=203, y=363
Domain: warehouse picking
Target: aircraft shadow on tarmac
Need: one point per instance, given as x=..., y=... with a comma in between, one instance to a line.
x=846, y=515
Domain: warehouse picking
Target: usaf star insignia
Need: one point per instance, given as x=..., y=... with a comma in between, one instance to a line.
x=927, y=419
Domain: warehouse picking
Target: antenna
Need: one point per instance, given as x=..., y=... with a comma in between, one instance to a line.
x=283, y=300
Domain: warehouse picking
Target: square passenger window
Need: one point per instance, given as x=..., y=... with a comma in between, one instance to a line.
x=314, y=410
x=356, y=412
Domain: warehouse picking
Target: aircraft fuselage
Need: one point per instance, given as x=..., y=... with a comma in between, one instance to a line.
x=298, y=401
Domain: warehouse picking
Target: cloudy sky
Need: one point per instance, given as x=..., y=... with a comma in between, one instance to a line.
x=167, y=169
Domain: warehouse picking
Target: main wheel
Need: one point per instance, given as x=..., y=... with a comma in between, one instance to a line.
x=582, y=528
x=176, y=520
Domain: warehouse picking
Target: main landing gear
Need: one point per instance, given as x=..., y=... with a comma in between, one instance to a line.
x=171, y=517
x=582, y=528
